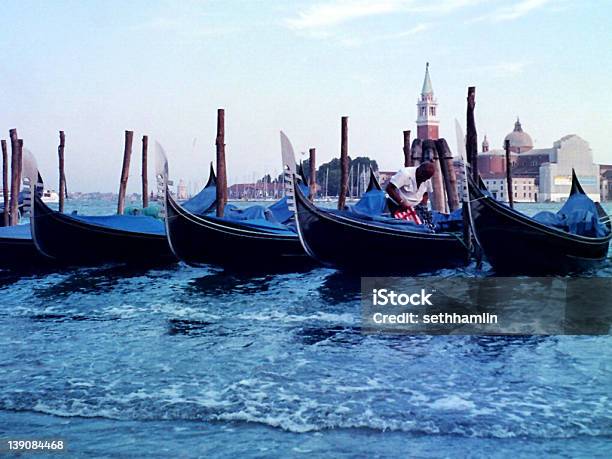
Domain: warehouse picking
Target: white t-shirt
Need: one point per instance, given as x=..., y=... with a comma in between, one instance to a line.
x=405, y=181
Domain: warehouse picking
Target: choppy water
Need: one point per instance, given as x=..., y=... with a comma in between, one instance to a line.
x=184, y=362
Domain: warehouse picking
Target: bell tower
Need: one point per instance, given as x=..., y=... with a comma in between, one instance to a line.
x=427, y=111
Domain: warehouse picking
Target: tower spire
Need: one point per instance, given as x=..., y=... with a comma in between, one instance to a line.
x=427, y=88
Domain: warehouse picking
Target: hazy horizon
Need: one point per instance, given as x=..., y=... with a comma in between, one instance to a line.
x=95, y=69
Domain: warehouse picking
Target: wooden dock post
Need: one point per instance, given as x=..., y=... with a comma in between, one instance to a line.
x=19, y=176
x=471, y=138
x=430, y=153
x=448, y=171
x=62, y=176
x=406, y=149
x=15, y=178
x=5, y=184
x=221, y=169
x=145, y=179
x=416, y=152
x=344, y=163
x=312, y=175
x=125, y=171
x=509, y=174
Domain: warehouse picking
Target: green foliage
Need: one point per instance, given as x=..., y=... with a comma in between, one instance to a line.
x=361, y=163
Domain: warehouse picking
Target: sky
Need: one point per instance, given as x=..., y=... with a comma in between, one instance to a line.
x=162, y=68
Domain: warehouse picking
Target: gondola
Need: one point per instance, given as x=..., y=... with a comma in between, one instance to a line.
x=517, y=244
x=339, y=240
x=77, y=239
x=239, y=244
x=343, y=240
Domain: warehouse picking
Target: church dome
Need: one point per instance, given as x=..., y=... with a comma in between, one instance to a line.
x=520, y=141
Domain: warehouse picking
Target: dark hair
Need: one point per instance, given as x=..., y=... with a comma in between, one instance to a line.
x=426, y=170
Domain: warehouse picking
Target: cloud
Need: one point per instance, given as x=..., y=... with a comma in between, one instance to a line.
x=351, y=42
x=336, y=12
x=504, y=69
x=185, y=28
x=514, y=11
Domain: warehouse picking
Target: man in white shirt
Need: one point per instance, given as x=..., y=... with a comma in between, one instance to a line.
x=409, y=188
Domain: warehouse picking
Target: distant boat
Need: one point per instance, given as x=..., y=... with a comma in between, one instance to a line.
x=50, y=196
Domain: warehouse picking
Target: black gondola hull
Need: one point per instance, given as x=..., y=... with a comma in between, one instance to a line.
x=353, y=245
x=71, y=241
x=20, y=254
x=516, y=244
x=199, y=240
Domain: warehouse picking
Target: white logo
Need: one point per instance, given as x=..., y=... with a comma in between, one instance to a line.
x=384, y=297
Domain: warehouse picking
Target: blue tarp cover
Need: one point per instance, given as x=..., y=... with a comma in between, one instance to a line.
x=16, y=232
x=577, y=216
x=277, y=213
x=372, y=207
x=261, y=225
x=133, y=223
x=202, y=202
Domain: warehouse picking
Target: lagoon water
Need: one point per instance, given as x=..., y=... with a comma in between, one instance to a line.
x=185, y=362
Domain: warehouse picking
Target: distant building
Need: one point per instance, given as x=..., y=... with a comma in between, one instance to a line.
x=605, y=178
x=549, y=169
x=524, y=188
x=569, y=152
x=520, y=141
x=181, y=190
x=259, y=190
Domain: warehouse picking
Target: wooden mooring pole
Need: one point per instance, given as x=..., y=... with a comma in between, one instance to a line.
x=430, y=153
x=15, y=179
x=221, y=169
x=19, y=176
x=406, y=149
x=416, y=152
x=344, y=163
x=448, y=171
x=471, y=138
x=510, y=188
x=62, y=176
x=312, y=175
x=5, y=184
x=145, y=180
x=125, y=171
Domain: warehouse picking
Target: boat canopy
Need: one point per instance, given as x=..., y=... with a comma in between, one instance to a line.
x=577, y=216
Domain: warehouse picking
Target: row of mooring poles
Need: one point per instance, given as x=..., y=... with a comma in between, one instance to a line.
x=125, y=171
x=444, y=183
